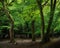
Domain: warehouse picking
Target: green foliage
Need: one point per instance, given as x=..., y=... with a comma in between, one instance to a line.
x=25, y=11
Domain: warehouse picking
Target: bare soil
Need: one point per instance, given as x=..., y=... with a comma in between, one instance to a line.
x=27, y=43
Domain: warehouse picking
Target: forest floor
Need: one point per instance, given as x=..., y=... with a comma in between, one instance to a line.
x=27, y=43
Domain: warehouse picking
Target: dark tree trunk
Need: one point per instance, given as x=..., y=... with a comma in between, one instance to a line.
x=33, y=30
x=47, y=35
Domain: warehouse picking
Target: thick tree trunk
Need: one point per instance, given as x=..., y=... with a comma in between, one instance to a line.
x=42, y=19
x=11, y=24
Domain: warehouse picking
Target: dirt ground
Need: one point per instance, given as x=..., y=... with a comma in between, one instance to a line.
x=21, y=43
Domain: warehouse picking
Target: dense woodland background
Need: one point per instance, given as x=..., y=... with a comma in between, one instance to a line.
x=29, y=19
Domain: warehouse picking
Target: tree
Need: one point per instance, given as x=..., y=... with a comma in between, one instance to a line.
x=42, y=18
x=45, y=36
x=11, y=20
x=52, y=11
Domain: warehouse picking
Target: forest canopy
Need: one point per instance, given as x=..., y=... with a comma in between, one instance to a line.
x=27, y=16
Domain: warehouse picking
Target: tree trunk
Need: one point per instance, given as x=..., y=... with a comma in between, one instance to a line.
x=53, y=5
x=42, y=19
x=12, y=32
x=11, y=24
x=33, y=30
x=45, y=37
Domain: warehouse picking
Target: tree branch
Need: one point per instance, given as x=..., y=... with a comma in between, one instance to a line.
x=45, y=3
